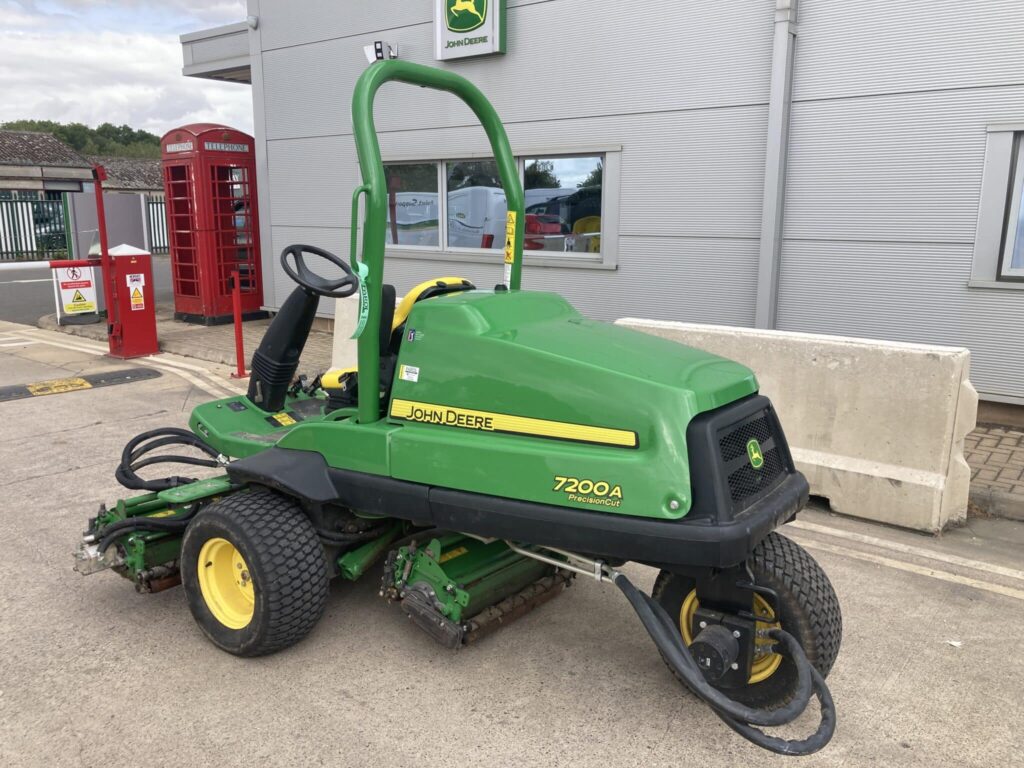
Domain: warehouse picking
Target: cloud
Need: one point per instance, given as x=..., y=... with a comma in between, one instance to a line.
x=94, y=62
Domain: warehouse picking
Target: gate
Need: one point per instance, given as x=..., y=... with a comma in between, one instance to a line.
x=33, y=229
x=156, y=223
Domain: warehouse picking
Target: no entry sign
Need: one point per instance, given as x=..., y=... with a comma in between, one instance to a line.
x=76, y=288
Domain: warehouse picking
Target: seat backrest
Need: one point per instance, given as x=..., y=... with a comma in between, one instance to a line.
x=426, y=289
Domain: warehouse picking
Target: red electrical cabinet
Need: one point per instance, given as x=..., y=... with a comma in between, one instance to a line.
x=212, y=221
x=133, y=320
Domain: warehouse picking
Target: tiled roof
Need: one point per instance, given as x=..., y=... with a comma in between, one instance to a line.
x=130, y=172
x=30, y=148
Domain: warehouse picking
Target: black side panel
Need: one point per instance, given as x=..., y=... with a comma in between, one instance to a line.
x=381, y=495
x=302, y=474
x=306, y=476
x=656, y=542
x=668, y=544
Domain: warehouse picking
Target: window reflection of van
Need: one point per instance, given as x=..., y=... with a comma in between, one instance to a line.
x=476, y=217
x=416, y=219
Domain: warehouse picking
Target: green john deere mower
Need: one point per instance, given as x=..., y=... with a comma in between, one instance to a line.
x=491, y=446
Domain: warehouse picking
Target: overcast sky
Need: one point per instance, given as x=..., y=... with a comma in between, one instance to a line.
x=116, y=61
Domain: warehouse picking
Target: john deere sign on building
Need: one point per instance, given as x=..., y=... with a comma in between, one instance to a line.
x=468, y=28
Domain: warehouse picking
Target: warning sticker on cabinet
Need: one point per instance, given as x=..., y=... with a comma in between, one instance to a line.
x=138, y=300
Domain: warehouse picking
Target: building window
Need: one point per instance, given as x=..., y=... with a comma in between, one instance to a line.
x=412, y=205
x=998, y=258
x=563, y=204
x=458, y=207
x=475, y=204
x=1011, y=264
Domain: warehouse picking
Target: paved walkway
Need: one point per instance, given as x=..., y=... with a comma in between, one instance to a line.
x=996, y=456
x=995, y=453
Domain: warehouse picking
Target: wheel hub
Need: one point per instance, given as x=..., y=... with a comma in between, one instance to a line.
x=765, y=661
x=226, y=583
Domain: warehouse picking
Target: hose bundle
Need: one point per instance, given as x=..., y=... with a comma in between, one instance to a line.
x=742, y=719
x=127, y=475
x=140, y=445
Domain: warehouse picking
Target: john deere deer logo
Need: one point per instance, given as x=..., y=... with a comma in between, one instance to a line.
x=754, y=453
x=465, y=15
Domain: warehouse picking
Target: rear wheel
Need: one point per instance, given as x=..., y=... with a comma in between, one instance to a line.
x=254, y=573
x=808, y=610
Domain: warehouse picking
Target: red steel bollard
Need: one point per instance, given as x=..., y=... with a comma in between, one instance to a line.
x=236, y=302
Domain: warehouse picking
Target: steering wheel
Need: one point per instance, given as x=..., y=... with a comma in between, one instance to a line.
x=314, y=283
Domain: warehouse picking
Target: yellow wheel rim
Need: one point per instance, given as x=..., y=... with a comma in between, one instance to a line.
x=226, y=583
x=765, y=661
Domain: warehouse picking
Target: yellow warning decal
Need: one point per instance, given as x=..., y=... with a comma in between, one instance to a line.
x=56, y=386
x=429, y=413
x=164, y=513
x=510, y=236
x=284, y=419
x=451, y=554
x=77, y=297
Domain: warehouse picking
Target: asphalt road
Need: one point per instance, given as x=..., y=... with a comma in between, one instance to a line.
x=93, y=674
x=27, y=294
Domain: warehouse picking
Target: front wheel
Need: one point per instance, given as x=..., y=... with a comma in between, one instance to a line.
x=254, y=573
x=808, y=610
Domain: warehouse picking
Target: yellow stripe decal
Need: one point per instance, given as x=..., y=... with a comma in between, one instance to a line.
x=446, y=415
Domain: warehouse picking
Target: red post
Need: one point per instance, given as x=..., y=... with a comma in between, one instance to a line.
x=236, y=302
x=109, y=277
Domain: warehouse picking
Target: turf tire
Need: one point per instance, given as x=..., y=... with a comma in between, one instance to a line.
x=286, y=561
x=808, y=608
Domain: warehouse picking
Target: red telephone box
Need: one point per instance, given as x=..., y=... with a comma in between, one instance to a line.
x=212, y=221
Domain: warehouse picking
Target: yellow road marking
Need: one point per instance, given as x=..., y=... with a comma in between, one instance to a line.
x=56, y=386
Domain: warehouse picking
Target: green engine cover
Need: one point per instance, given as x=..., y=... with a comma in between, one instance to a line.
x=515, y=394
x=518, y=395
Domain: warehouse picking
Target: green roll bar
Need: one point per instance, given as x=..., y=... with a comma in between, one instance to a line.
x=374, y=187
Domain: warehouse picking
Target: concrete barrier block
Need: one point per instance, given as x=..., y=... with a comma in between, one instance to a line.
x=877, y=427
x=344, y=350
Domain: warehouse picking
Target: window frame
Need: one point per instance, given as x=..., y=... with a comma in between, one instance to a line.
x=608, y=257
x=1011, y=219
x=996, y=207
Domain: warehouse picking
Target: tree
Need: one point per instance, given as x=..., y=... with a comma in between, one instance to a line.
x=106, y=139
x=420, y=177
x=540, y=174
x=473, y=173
x=595, y=178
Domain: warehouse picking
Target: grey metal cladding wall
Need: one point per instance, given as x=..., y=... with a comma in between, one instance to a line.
x=567, y=58
x=709, y=280
x=696, y=173
x=294, y=22
x=691, y=167
x=877, y=46
x=905, y=292
x=896, y=167
x=881, y=209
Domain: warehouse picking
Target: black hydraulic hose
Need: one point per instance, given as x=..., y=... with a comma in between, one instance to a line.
x=123, y=527
x=138, y=446
x=739, y=717
x=340, y=537
x=679, y=654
